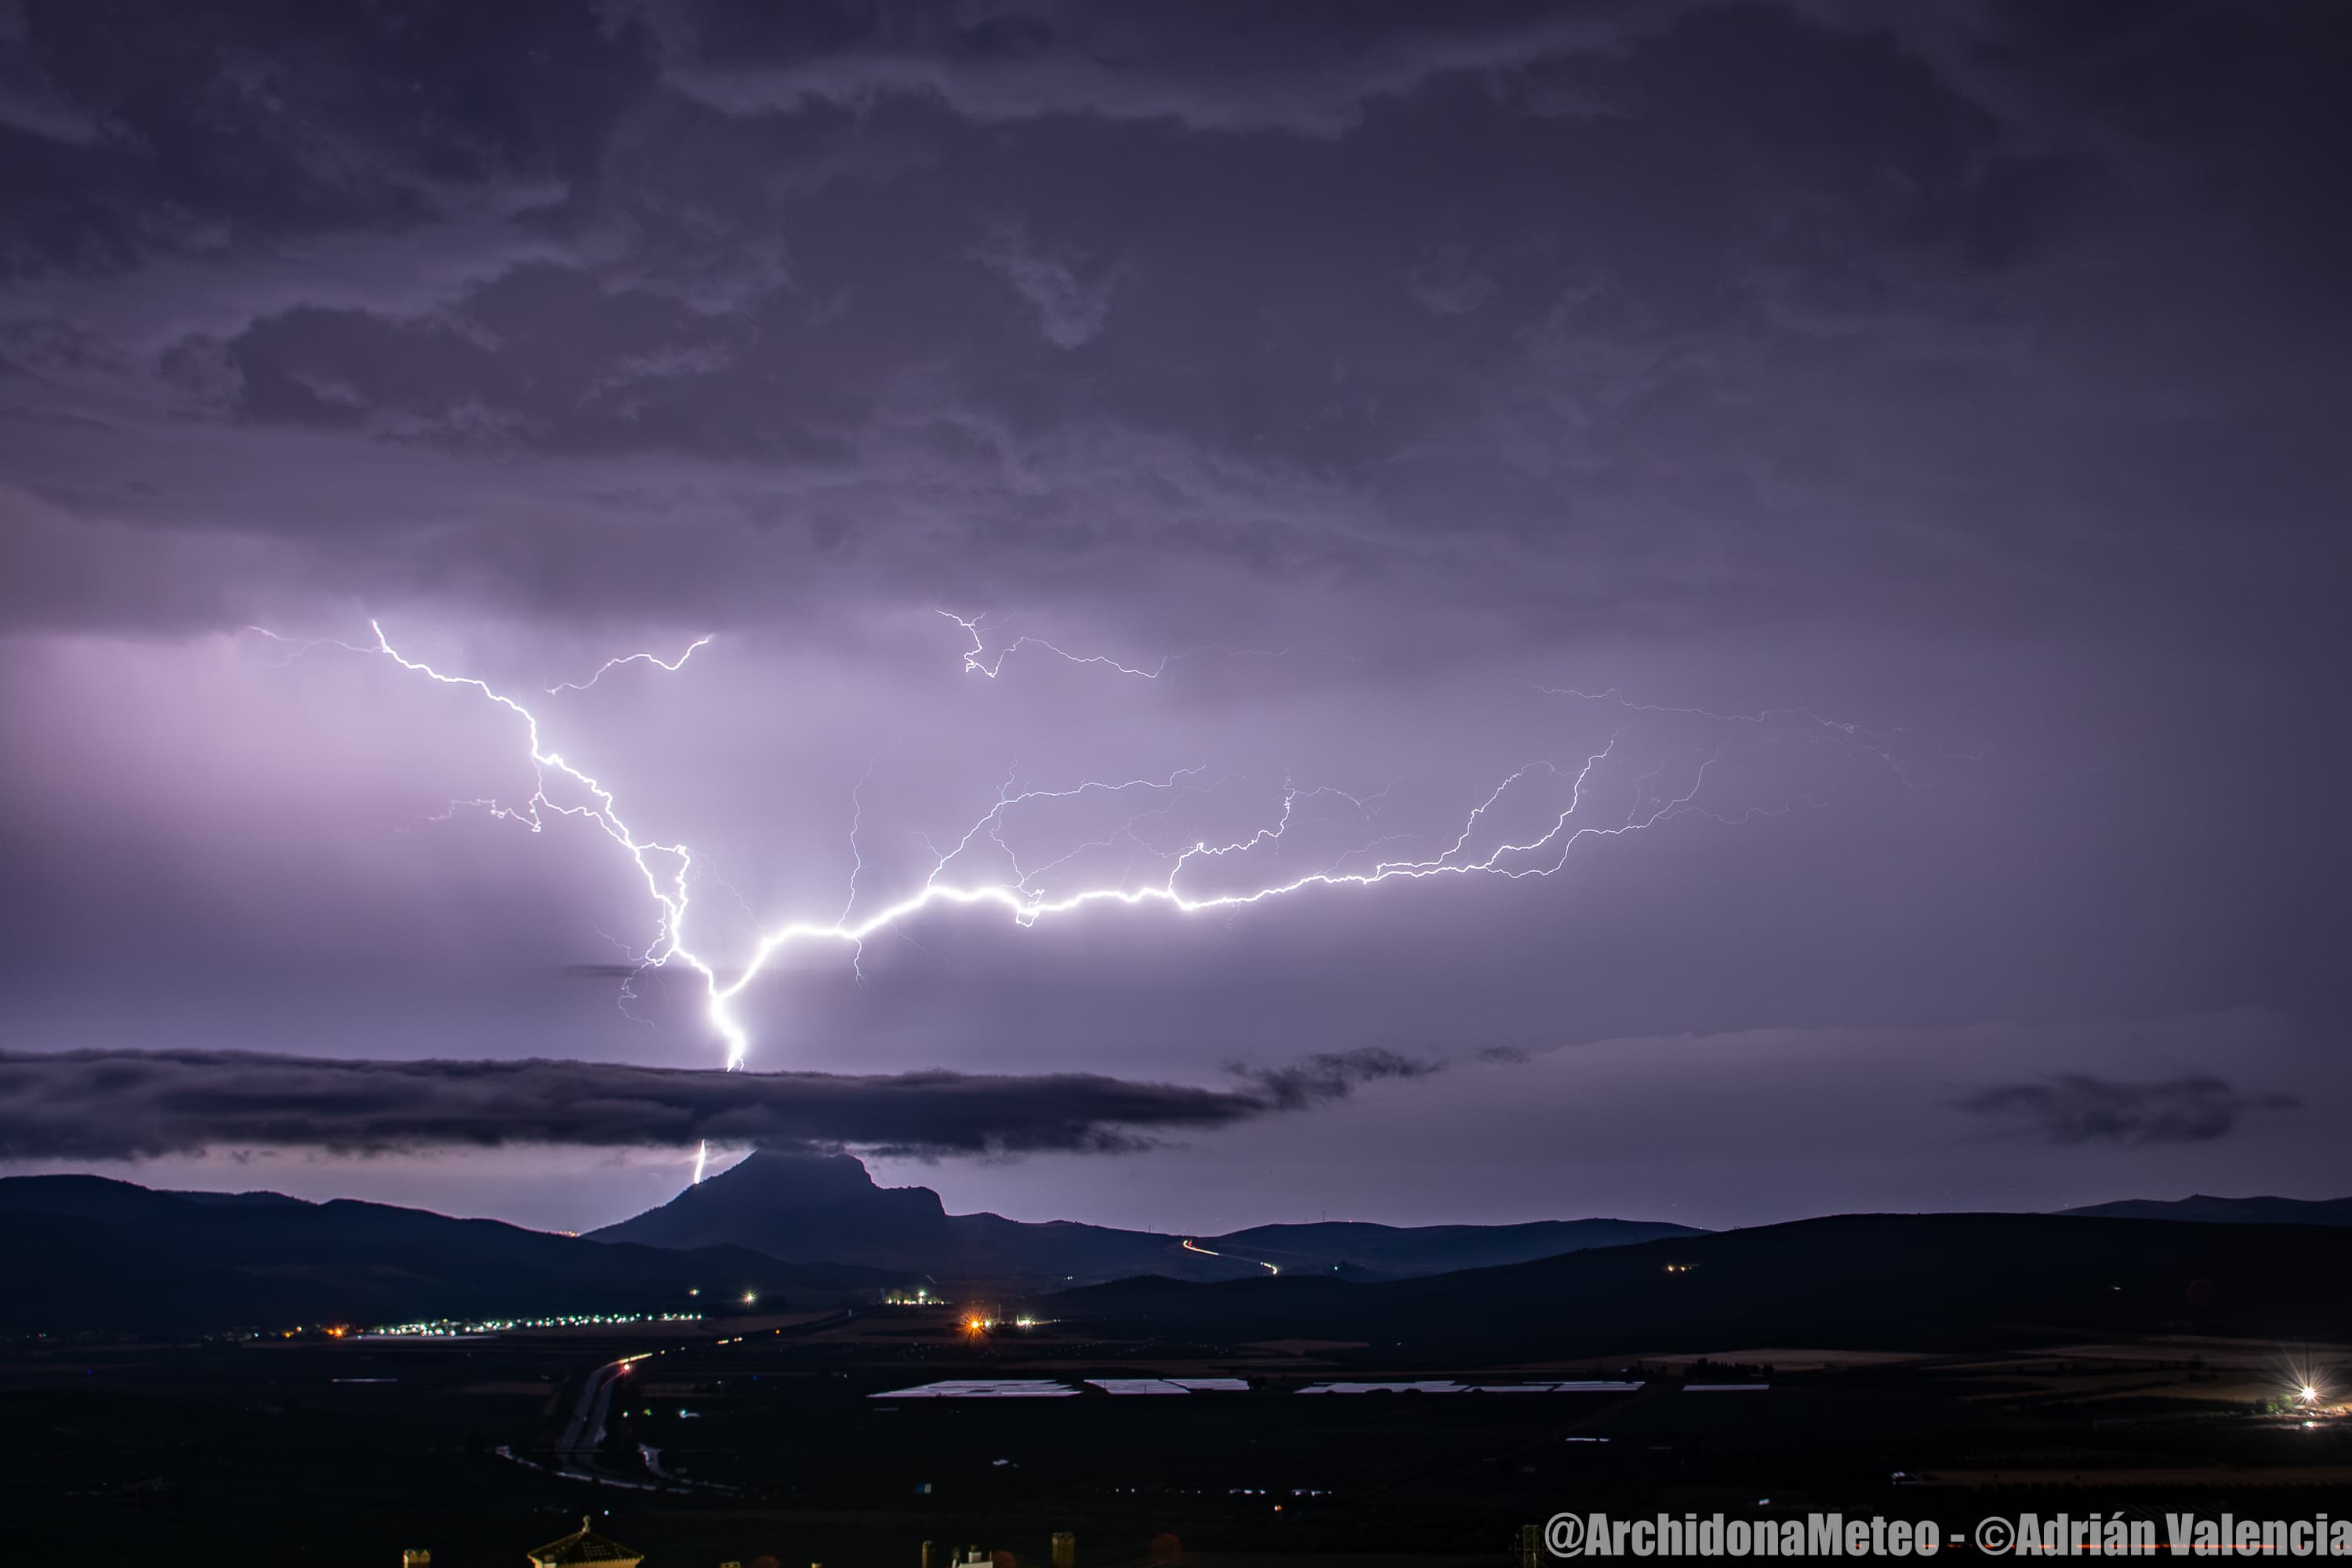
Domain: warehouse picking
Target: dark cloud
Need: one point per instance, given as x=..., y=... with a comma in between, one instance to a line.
x=605, y=971
x=728, y=308
x=1219, y=68
x=118, y=1105
x=1959, y=368
x=1330, y=1075
x=2079, y=1109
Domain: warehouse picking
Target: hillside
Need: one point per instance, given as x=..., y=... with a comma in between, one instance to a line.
x=94, y=1253
x=816, y=1207
x=1848, y=1280
x=2206, y=1210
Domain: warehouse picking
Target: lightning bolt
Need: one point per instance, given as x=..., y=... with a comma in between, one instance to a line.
x=1175, y=876
x=976, y=659
x=977, y=662
x=671, y=665
x=1881, y=745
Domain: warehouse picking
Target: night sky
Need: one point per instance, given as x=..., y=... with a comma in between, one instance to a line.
x=1859, y=489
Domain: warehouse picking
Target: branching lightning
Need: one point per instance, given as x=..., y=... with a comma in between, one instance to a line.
x=1887, y=746
x=671, y=665
x=977, y=660
x=981, y=867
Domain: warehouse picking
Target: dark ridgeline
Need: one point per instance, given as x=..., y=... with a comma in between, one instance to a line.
x=825, y=1208
x=87, y=1253
x=1909, y=1281
x=94, y=1253
x=2227, y=1211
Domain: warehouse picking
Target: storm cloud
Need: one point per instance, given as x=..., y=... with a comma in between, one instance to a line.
x=1329, y=1075
x=423, y=304
x=2077, y=1108
x=1903, y=443
x=126, y=1105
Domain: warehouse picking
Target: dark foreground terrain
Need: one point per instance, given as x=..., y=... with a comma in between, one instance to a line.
x=89, y=1254
x=1941, y=1366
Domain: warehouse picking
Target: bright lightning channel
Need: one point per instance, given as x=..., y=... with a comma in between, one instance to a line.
x=668, y=869
x=977, y=662
x=671, y=665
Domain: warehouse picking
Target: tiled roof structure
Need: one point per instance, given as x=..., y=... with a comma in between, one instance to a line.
x=584, y=1548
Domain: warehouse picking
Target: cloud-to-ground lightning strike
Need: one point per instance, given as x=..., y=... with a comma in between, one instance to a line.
x=668, y=869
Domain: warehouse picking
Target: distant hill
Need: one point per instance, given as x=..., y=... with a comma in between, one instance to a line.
x=820, y=1207
x=2206, y=1210
x=825, y=1208
x=1362, y=1250
x=100, y=1197
x=1908, y=1280
x=87, y=1253
x=279, y=1199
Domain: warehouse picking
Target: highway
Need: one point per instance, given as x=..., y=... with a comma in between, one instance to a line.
x=583, y=1433
x=576, y=1450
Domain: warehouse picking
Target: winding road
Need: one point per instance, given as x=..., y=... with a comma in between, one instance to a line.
x=1270, y=1268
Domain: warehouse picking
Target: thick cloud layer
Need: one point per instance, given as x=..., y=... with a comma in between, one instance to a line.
x=1707, y=311
x=123, y=1105
x=1902, y=440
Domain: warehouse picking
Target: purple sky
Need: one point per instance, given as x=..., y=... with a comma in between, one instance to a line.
x=1918, y=432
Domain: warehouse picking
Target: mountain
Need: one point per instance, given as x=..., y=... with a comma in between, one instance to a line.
x=826, y=1207
x=100, y=1197
x=1853, y=1280
x=278, y=1199
x=2206, y=1210
x=85, y=1197
x=87, y=1253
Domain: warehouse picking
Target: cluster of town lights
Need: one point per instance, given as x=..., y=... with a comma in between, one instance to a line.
x=445, y=1327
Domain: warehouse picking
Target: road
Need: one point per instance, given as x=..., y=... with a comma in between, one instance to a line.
x=1262, y=1263
x=584, y=1431
x=576, y=1450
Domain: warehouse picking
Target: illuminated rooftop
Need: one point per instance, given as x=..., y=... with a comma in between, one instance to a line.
x=584, y=1548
